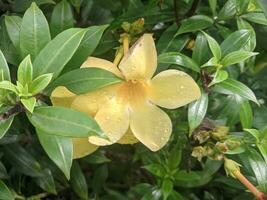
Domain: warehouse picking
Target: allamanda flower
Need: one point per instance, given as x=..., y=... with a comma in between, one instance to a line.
x=127, y=112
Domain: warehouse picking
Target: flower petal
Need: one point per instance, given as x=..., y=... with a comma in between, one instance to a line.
x=61, y=96
x=91, y=102
x=128, y=138
x=150, y=125
x=141, y=60
x=82, y=147
x=172, y=89
x=103, y=64
x=113, y=118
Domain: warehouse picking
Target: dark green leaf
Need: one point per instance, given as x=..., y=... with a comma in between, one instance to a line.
x=178, y=59
x=214, y=46
x=166, y=188
x=228, y=10
x=59, y=149
x=156, y=169
x=13, y=24
x=201, y=50
x=46, y=182
x=5, y=193
x=4, y=70
x=64, y=122
x=34, y=33
x=58, y=52
x=245, y=114
x=86, y=80
x=5, y=125
x=78, y=181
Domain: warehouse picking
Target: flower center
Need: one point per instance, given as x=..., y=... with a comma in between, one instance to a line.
x=132, y=91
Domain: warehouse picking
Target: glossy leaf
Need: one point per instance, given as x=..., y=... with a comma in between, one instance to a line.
x=201, y=49
x=197, y=111
x=258, y=18
x=64, y=122
x=86, y=80
x=29, y=103
x=62, y=18
x=245, y=114
x=234, y=87
x=219, y=76
x=13, y=24
x=228, y=10
x=236, y=57
x=214, y=46
x=78, y=181
x=178, y=59
x=4, y=67
x=5, y=193
x=5, y=125
x=166, y=188
x=243, y=24
x=58, y=52
x=87, y=46
x=34, y=32
x=59, y=149
x=24, y=74
x=195, y=23
x=40, y=83
x=235, y=41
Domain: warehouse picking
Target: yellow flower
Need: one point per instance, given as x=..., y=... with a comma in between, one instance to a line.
x=127, y=111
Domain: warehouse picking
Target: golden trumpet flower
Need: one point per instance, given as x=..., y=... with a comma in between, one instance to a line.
x=127, y=112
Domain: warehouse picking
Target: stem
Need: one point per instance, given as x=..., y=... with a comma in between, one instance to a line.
x=118, y=56
x=193, y=8
x=38, y=196
x=258, y=194
x=12, y=111
x=125, y=43
x=177, y=19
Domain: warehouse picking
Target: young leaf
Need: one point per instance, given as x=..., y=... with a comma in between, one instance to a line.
x=245, y=114
x=59, y=149
x=85, y=80
x=13, y=24
x=64, y=122
x=220, y=76
x=34, y=33
x=4, y=67
x=5, y=193
x=234, y=87
x=62, y=18
x=40, y=83
x=7, y=85
x=58, y=52
x=197, y=111
x=195, y=23
x=178, y=59
x=86, y=47
x=78, y=181
x=236, y=57
x=29, y=103
x=235, y=41
x=214, y=46
x=166, y=188
x=24, y=74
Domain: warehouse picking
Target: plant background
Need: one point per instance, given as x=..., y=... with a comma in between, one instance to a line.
x=133, y=172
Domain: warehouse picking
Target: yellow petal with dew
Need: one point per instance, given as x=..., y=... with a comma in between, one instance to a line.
x=172, y=89
x=113, y=118
x=141, y=60
x=150, y=125
x=82, y=147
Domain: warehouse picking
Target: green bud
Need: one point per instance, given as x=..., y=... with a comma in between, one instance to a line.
x=231, y=167
x=232, y=144
x=220, y=132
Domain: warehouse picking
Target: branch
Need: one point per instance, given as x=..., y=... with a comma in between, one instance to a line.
x=12, y=111
x=193, y=8
x=177, y=18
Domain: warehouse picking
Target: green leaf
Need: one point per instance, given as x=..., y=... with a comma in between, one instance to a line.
x=214, y=46
x=263, y=5
x=97, y=157
x=220, y=76
x=29, y=103
x=62, y=18
x=258, y=18
x=22, y=160
x=178, y=59
x=166, y=188
x=5, y=125
x=243, y=24
x=59, y=149
x=46, y=182
x=40, y=83
x=245, y=114
x=5, y=193
x=197, y=111
x=156, y=169
x=34, y=33
x=228, y=10
x=87, y=46
x=195, y=23
x=201, y=49
x=13, y=24
x=7, y=85
x=4, y=67
x=58, y=52
x=78, y=181
x=85, y=80
x=24, y=74
x=64, y=122
x=254, y=132
x=236, y=57
x=234, y=87
x=235, y=41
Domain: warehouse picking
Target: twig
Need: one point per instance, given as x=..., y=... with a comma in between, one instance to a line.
x=193, y=8
x=177, y=18
x=12, y=111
